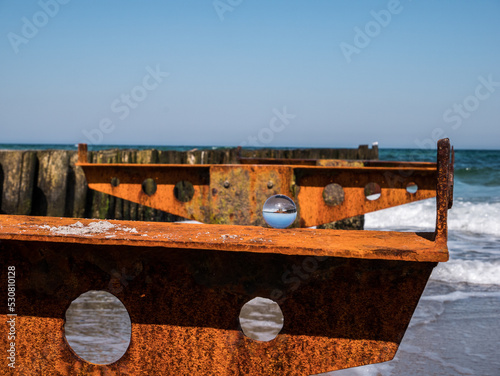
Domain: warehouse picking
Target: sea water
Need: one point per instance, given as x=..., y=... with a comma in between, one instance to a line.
x=456, y=327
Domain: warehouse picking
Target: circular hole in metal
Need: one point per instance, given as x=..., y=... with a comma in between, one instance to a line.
x=98, y=327
x=261, y=319
x=115, y=182
x=333, y=194
x=372, y=191
x=412, y=188
x=149, y=186
x=184, y=191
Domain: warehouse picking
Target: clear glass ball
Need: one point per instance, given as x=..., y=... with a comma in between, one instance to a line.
x=279, y=211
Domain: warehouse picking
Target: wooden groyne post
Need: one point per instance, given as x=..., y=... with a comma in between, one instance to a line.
x=47, y=182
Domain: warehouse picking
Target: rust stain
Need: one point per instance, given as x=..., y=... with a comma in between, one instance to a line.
x=229, y=238
x=339, y=162
x=234, y=194
x=347, y=297
x=443, y=187
x=393, y=183
x=184, y=306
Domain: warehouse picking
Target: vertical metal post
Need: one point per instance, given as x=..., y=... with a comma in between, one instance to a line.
x=442, y=188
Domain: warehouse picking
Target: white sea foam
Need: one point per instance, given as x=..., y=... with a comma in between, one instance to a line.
x=370, y=370
x=480, y=218
x=461, y=295
x=468, y=271
x=415, y=215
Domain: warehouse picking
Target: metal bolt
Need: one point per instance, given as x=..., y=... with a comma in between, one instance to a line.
x=226, y=184
x=270, y=185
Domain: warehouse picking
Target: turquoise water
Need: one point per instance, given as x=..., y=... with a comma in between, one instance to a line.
x=477, y=172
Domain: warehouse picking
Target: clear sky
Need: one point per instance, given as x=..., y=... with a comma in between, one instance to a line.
x=264, y=73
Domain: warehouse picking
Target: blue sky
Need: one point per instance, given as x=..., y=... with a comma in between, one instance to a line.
x=260, y=73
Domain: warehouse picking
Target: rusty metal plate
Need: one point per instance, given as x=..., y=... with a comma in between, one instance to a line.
x=312, y=181
x=132, y=176
x=236, y=191
x=380, y=245
x=234, y=194
x=184, y=306
x=347, y=297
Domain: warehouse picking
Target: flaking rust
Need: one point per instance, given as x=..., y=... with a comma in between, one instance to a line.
x=234, y=194
x=347, y=297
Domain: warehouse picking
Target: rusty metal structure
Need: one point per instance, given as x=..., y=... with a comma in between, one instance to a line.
x=324, y=190
x=347, y=297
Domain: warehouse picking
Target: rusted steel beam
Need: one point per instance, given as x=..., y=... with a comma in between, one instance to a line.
x=444, y=187
x=234, y=194
x=346, y=295
x=184, y=306
x=332, y=162
x=328, y=162
x=391, y=180
x=380, y=245
x=451, y=179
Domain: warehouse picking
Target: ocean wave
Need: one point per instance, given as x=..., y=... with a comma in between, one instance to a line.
x=461, y=295
x=482, y=176
x=475, y=217
x=468, y=271
x=420, y=215
x=481, y=218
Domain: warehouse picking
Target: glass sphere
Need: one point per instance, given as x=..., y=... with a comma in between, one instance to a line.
x=279, y=211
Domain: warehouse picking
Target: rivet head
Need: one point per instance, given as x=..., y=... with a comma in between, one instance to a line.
x=270, y=185
x=226, y=184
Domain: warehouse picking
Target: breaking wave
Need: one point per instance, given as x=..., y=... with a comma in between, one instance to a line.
x=475, y=217
x=468, y=271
